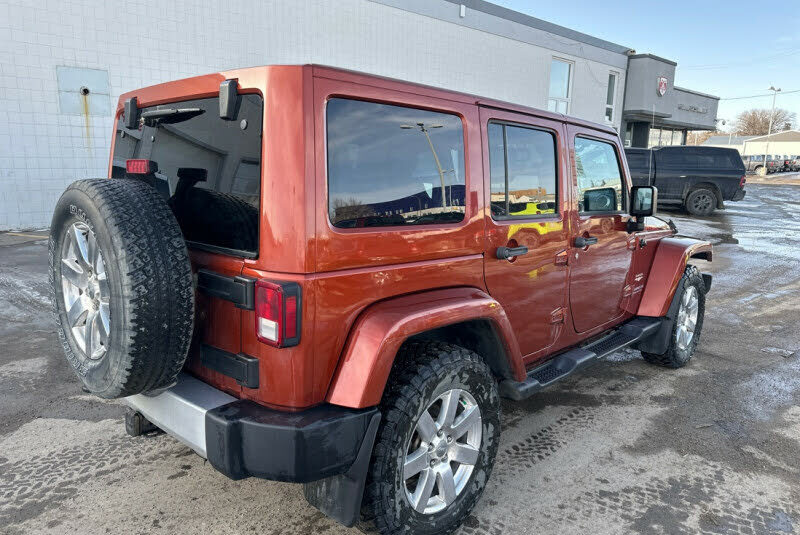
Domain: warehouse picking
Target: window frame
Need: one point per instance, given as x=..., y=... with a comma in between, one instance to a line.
x=396, y=228
x=613, y=105
x=625, y=186
x=557, y=191
x=570, y=78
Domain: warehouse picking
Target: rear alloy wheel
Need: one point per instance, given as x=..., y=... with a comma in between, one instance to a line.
x=701, y=202
x=437, y=442
x=442, y=452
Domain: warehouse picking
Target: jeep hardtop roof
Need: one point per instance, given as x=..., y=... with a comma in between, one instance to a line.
x=395, y=84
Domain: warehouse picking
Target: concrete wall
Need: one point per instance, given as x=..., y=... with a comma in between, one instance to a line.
x=51, y=135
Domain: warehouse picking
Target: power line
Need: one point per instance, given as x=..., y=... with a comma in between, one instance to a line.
x=765, y=95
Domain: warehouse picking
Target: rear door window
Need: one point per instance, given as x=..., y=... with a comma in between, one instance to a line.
x=393, y=165
x=523, y=172
x=208, y=168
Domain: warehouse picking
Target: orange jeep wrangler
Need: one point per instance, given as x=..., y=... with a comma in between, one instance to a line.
x=313, y=275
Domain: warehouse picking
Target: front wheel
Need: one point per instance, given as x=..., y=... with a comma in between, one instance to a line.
x=688, y=322
x=437, y=442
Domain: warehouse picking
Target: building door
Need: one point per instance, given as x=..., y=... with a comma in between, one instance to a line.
x=526, y=238
x=600, y=257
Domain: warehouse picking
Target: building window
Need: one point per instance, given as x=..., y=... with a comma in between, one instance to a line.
x=523, y=172
x=560, y=86
x=393, y=166
x=611, y=96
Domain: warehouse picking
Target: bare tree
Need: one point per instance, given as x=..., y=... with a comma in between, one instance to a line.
x=350, y=208
x=697, y=137
x=755, y=122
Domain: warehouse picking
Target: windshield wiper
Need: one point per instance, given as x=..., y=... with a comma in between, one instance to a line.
x=170, y=115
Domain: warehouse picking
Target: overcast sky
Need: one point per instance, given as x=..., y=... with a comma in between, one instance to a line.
x=728, y=49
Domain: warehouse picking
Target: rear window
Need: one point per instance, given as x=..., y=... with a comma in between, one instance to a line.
x=393, y=166
x=208, y=168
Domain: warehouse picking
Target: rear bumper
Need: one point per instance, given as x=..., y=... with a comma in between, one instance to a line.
x=241, y=438
x=739, y=195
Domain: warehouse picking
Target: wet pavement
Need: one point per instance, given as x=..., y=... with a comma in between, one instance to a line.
x=623, y=448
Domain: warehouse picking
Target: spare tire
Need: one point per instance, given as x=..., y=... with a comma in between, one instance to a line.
x=121, y=285
x=234, y=225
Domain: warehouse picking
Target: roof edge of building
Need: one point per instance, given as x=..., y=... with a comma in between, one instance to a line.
x=527, y=20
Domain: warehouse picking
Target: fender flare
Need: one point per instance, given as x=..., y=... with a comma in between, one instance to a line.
x=668, y=266
x=381, y=329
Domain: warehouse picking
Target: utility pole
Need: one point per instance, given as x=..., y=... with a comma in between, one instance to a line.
x=424, y=130
x=769, y=130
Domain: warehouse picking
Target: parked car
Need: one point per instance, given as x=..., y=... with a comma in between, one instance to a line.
x=318, y=276
x=698, y=178
x=786, y=162
x=794, y=163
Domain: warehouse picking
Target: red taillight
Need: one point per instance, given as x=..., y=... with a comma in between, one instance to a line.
x=140, y=167
x=277, y=313
x=742, y=181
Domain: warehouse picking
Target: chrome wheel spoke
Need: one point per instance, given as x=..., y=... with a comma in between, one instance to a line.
x=465, y=421
x=464, y=454
x=74, y=274
x=80, y=247
x=104, y=322
x=102, y=282
x=422, y=494
x=92, y=250
x=416, y=463
x=77, y=311
x=426, y=427
x=449, y=408
x=88, y=335
x=446, y=483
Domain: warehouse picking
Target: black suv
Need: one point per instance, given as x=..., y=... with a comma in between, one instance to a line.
x=697, y=178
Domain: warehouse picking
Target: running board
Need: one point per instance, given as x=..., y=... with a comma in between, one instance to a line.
x=567, y=363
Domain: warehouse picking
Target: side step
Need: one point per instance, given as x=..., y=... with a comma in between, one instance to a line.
x=567, y=363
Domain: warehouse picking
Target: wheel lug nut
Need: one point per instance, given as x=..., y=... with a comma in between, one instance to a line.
x=449, y=438
x=439, y=433
x=433, y=463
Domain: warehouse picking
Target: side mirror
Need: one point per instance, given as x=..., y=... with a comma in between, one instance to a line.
x=600, y=200
x=643, y=201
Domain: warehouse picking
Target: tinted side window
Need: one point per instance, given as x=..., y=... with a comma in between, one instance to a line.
x=638, y=160
x=599, y=177
x=392, y=165
x=209, y=169
x=523, y=171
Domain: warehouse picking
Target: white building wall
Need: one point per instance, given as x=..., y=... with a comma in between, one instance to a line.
x=43, y=147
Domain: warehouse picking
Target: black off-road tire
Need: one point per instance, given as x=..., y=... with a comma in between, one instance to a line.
x=674, y=356
x=424, y=371
x=150, y=285
x=701, y=202
x=215, y=218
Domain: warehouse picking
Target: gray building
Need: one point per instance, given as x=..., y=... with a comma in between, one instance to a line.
x=656, y=112
x=52, y=134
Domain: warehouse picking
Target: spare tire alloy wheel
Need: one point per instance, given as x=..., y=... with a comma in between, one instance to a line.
x=122, y=286
x=442, y=452
x=85, y=290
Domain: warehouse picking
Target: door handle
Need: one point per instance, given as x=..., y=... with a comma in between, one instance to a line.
x=507, y=253
x=581, y=242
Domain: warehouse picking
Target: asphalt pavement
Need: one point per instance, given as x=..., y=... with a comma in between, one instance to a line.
x=624, y=448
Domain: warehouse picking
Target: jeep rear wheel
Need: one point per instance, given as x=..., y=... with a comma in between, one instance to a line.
x=701, y=202
x=688, y=322
x=121, y=284
x=437, y=443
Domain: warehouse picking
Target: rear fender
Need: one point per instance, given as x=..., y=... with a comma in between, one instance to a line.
x=669, y=264
x=381, y=329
